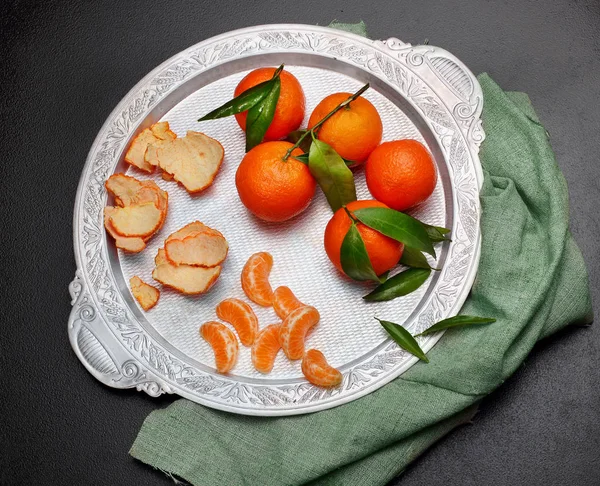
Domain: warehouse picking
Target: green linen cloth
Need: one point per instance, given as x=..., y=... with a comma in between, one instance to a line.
x=531, y=278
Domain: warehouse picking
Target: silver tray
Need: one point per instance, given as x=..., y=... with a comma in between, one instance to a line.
x=421, y=92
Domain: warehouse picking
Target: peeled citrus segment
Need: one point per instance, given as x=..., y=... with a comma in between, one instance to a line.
x=265, y=348
x=241, y=316
x=200, y=248
x=133, y=244
x=284, y=301
x=294, y=329
x=224, y=344
x=193, y=160
x=135, y=155
x=316, y=370
x=184, y=278
x=255, y=279
x=137, y=220
x=145, y=294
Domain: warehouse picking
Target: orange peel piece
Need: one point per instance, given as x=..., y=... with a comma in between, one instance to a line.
x=133, y=244
x=284, y=302
x=294, y=329
x=199, y=248
x=193, y=160
x=136, y=220
x=146, y=295
x=184, y=278
x=265, y=348
x=135, y=155
x=188, y=229
x=224, y=344
x=255, y=278
x=316, y=370
x=241, y=316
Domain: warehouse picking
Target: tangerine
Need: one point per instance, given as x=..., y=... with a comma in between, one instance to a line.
x=289, y=111
x=384, y=252
x=271, y=188
x=401, y=174
x=354, y=131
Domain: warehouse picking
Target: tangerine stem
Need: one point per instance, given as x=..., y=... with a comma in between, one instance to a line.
x=346, y=102
x=350, y=215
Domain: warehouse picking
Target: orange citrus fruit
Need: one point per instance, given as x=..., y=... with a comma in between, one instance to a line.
x=271, y=188
x=384, y=252
x=294, y=329
x=289, y=111
x=255, y=278
x=241, y=316
x=401, y=174
x=284, y=301
x=318, y=371
x=354, y=131
x=265, y=348
x=224, y=344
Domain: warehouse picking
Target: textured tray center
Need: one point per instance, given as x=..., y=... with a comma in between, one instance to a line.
x=347, y=331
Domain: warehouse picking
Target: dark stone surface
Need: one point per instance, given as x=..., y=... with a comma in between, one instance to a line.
x=65, y=66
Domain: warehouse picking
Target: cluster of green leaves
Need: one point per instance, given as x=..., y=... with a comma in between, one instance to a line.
x=260, y=102
x=418, y=238
x=406, y=341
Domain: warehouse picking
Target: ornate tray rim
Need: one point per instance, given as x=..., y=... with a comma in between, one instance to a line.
x=102, y=329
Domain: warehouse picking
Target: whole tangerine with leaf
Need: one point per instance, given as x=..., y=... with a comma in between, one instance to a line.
x=354, y=131
x=289, y=111
x=384, y=252
x=271, y=186
x=401, y=174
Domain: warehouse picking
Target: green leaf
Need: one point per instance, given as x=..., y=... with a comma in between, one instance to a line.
x=294, y=136
x=457, y=321
x=414, y=258
x=243, y=102
x=397, y=225
x=333, y=176
x=404, y=339
x=261, y=115
x=301, y=158
x=436, y=233
x=354, y=257
x=400, y=284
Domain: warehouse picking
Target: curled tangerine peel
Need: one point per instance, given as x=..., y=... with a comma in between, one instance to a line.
x=316, y=370
x=224, y=344
x=255, y=279
x=284, y=301
x=294, y=329
x=241, y=316
x=265, y=348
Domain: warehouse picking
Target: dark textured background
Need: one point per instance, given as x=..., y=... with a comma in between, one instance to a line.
x=66, y=65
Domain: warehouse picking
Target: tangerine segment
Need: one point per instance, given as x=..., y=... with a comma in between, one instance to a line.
x=316, y=370
x=255, y=278
x=224, y=344
x=241, y=316
x=265, y=348
x=294, y=330
x=284, y=301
